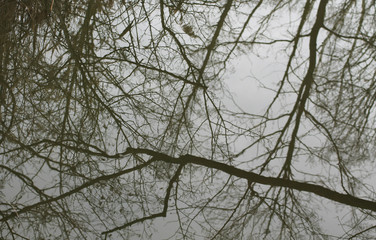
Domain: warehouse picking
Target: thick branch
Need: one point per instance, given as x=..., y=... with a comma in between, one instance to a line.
x=253, y=177
x=308, y=80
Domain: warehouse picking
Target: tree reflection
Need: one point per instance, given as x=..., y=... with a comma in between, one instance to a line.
x=115, y=116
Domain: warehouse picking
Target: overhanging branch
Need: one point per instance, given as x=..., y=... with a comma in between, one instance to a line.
x=253, y=177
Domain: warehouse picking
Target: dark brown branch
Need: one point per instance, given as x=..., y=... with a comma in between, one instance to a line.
x=271, y=181
x=76, y=190
x=307, y=82
x=213, y=42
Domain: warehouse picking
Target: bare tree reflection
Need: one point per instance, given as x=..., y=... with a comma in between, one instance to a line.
x=112, y=119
